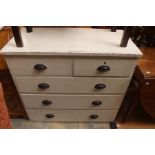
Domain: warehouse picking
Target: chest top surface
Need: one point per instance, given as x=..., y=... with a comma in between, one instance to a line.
x=72, y=41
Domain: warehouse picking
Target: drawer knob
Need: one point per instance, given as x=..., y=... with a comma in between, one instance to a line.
x=100, y=86
x=96, y=103
x=46, y=102
x=93, y=116
x=49, y=115
x=103, y=68
x=40, y=67
x=43, y=85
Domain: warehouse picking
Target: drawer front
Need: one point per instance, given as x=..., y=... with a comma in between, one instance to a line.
x=71, y=85
x=103, y=67
x=71, y=115
x=72, y=101
x=40, y=66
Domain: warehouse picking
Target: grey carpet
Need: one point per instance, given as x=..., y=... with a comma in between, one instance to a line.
x=26, y=124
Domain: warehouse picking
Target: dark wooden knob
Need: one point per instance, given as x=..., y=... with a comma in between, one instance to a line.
x=103, y=68
x=40, y=67
x=49, y=115
x=43, y=85
x=100, y=86
x=93, y=116
x=96, y=103
x=46, y=102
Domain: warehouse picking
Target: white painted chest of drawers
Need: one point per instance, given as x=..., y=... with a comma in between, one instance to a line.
x=71, y=74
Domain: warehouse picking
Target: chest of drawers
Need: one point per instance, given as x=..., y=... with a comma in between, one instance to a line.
x=71, y=75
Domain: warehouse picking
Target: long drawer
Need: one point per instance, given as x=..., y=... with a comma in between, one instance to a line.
x=103, y=67
x=40, y=66
x=71, y=115
x=71, y=85
x=50, y=101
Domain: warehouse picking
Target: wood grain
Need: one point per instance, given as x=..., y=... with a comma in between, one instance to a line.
x=13, y=101
x=11, y=96
x=145, y=75
x=5, y=35
x=147, y=96
x=4, y=117
x=14, y=105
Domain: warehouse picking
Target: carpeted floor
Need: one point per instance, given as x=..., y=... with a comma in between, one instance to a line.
x=26, y=124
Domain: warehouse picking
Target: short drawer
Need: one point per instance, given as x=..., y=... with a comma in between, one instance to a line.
x=71, y=115
x=71, y=85
x=103, y=67
x=31, y=65
x=51, y=101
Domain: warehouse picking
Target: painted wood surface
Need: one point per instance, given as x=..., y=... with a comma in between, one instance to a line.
x=59, y=66
x=117, y=67
x=71, y=115
x=72, y=41
x=72, y=85
x=71, y=101
x=72, y=56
